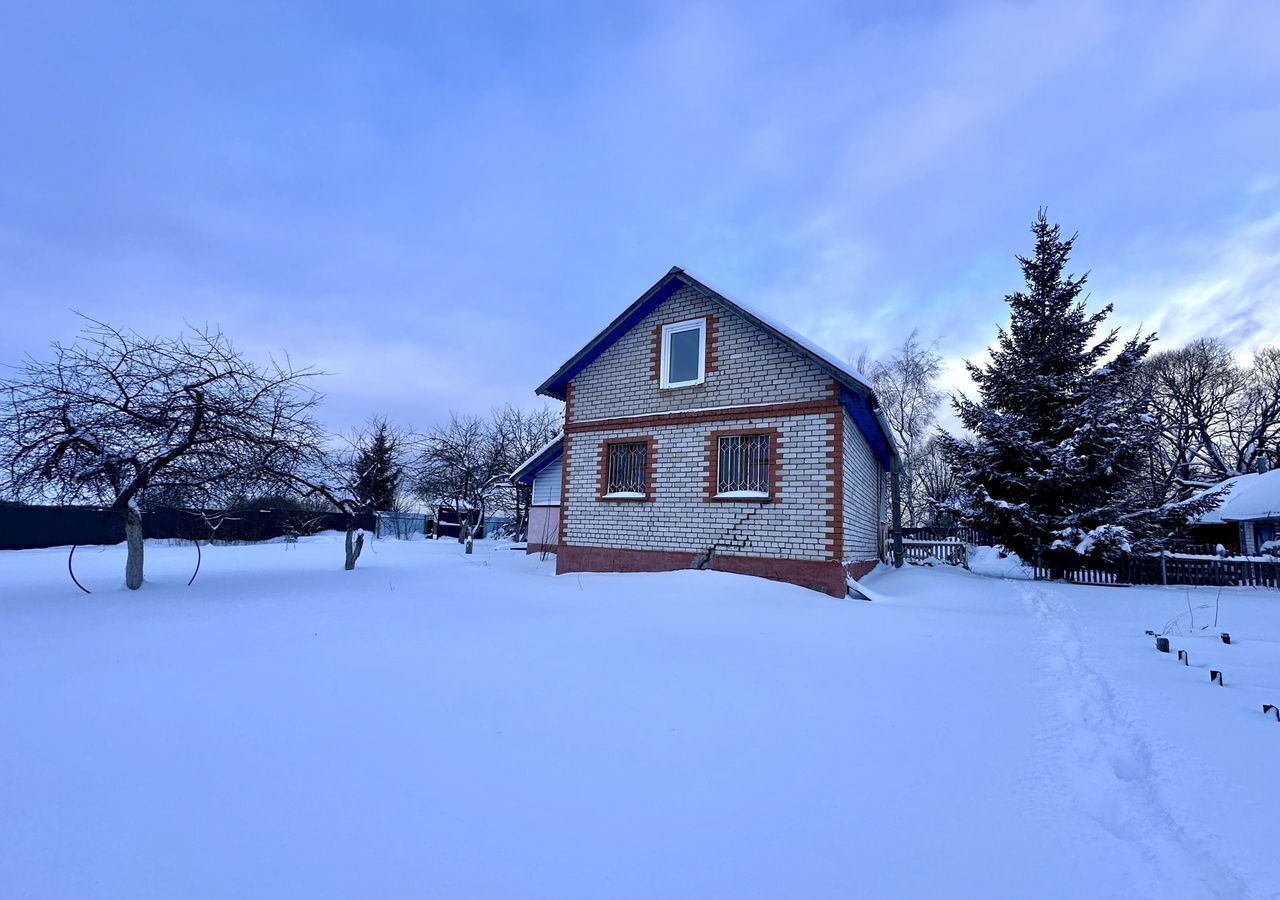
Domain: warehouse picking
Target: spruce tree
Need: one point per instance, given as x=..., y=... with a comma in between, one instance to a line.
x=378, y=467
x=1060, y=423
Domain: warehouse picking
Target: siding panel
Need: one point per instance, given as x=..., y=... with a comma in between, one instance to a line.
x=546, y=485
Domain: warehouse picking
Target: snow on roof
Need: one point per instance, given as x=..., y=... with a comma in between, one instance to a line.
x=544, y=452
x=1253, y=496
x=821, y=353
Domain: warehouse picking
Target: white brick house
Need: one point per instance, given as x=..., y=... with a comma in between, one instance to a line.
x=700, y=434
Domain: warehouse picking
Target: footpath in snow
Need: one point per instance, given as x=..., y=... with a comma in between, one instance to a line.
x=437, y=725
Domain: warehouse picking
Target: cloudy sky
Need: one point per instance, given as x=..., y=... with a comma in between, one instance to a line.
x=439, y=203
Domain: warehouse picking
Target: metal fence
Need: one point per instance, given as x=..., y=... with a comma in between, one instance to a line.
x=401, y=525
x=29, y=527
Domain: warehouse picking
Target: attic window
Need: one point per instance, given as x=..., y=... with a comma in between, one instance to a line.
x=684, y=353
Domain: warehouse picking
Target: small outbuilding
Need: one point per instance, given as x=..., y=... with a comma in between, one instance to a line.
x=544, y=473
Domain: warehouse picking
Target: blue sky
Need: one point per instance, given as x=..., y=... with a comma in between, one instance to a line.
x=439, y=203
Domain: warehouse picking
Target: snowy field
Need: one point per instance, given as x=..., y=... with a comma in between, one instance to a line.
x=440, y=726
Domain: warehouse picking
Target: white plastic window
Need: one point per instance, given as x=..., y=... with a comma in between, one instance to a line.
x=684, y=353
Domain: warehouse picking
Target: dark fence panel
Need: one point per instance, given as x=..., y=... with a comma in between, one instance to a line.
x=29, y=527
x=24, y=527
x=1207, y=572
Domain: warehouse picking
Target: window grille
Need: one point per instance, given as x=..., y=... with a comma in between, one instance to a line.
x=744, y=464
x=628, y=468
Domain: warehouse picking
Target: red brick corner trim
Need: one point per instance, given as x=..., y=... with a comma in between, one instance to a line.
x=835, y=456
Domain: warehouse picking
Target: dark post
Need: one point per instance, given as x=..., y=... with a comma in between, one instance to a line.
x=896, y=513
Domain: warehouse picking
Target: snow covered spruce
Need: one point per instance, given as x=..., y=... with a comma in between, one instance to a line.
x=1062, y=428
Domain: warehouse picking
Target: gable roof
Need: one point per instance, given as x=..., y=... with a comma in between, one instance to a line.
x=1249, y=497
x=544, y=457
x=856, y=393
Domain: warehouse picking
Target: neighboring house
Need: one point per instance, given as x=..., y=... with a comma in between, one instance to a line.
x=700, y=434
x=543, y=471
x=1250, y=512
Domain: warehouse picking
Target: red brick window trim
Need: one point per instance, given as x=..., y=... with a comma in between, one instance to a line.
x=626, y=470
x=739, y=450
x=711, y=353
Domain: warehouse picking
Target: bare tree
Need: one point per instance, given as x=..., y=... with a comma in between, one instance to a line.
x=906, y=384
x=1214, y=418
x=517, y=435
x=1254, y=421
x=458, y=466
x=932, y=473
x=469, y=461
x=115, y=416
x=318, y=472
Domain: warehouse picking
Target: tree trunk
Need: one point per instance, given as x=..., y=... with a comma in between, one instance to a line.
x=354, y=545
x=133, y=537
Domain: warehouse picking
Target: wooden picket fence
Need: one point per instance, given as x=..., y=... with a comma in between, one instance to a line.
x=952, y=552
x=1205, y=571
x=960, y=533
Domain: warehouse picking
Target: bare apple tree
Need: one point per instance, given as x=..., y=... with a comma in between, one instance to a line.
x=469, y=461
x=115, y=416
x=906, y=384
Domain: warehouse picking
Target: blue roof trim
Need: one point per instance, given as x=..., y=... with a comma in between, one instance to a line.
x=856, y=394
x=860, y=410
x=529, y=471
x=608, y=337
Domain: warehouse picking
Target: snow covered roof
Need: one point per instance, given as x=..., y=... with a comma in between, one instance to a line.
x=545, y=456
x=830, y=361
x=1249, y=497
x=857, y=394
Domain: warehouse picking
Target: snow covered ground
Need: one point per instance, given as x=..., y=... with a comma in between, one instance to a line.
x=435, y=725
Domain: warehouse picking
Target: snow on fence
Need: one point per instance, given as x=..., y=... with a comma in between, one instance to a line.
x=960, y=533
x=1167, y=569
x=952, y=552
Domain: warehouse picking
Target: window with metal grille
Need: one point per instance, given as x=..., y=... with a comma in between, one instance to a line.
x=744, y=465
x=628, y=469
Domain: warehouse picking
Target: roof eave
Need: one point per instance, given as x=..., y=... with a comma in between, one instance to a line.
x=553, y=387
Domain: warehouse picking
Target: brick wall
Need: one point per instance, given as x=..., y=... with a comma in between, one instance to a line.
x=826, y=482
x=797, y=523
x=865, y=487
x=744, y=364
